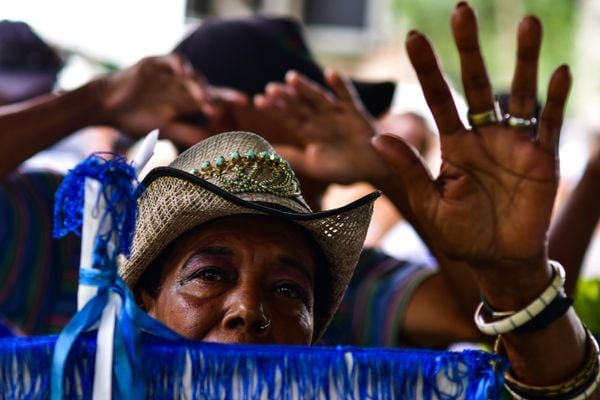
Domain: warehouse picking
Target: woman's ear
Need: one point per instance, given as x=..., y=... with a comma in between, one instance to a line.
x=145, y=301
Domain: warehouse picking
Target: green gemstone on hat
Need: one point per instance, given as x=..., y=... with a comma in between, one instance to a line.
x=205, y=165
x=264, y=154
x=235, y=155
x=250, y=154
x=275, y=157
x=194, y=171
x=219, y=161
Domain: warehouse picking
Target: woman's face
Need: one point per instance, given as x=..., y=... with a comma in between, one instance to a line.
x=239, y=279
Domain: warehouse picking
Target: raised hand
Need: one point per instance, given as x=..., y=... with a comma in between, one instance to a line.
x=329, y=130
x=493, y=198
x=490, y=207
x=157, y=92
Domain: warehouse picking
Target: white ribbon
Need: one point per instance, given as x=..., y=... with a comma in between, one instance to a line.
x=94, y=206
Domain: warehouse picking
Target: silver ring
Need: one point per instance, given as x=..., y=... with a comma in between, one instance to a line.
x=518, y=122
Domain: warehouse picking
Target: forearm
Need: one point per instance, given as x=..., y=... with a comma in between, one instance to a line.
x=544, y=357
x=572, y=230
x=28, y=127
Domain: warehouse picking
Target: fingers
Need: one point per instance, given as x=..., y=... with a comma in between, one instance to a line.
x=434, y=86
x=342, y=88
x=476, y=83
x=284, y=107
x=288, y=101
x=552, y=114
x=221, y=99
x=283, y=100
x=316, y=97
x=174, y=61
x=523, y=94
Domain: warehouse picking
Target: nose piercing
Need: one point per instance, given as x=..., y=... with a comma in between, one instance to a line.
x=267, y=324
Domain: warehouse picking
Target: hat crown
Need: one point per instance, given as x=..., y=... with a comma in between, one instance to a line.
x=241, y=162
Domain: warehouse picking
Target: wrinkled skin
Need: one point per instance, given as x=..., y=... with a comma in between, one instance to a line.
x=239, y=279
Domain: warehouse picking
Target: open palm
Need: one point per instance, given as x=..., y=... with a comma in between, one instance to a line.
x=493, y=198
x=331, y=128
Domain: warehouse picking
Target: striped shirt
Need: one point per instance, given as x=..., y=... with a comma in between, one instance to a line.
x=38, y=274
x=372, y=311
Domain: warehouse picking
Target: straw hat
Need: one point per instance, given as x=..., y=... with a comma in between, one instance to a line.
x=240, y=173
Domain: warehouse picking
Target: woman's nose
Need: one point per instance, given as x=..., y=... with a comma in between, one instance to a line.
x=247, y=314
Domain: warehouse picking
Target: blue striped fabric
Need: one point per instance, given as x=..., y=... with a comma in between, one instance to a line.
x=373, y=307
x=38, y=275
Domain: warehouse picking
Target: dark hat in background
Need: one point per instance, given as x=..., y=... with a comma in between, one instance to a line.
x=28, y=65
x=246, y=54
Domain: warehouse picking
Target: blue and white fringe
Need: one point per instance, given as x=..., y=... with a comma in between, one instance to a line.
x=196, y=370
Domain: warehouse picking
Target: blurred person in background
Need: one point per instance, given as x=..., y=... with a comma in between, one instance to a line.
x=38, y=275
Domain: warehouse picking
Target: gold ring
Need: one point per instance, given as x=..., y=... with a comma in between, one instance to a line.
x=485, y=118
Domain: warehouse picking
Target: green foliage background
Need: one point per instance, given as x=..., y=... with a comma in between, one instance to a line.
x=498, y=21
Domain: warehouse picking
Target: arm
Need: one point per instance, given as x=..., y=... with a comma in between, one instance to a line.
x=152, y=94
x=573, y=228
x=490, y=207
x=29, y=127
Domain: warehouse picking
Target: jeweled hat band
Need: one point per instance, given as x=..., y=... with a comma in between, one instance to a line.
x=248, y=172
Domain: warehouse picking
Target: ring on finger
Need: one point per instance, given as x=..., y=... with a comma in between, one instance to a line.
x=485, y=118
x=518, y=122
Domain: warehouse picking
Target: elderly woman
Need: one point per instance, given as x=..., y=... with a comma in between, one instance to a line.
x=227, y=250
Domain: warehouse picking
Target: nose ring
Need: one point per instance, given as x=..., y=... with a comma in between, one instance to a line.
x=263, y=327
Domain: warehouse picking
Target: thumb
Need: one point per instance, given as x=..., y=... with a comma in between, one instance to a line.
x=411, y=187
x=340, y=86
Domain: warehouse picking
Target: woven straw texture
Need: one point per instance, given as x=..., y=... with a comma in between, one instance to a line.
x=170, y=206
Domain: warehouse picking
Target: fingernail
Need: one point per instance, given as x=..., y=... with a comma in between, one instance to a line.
x=567, y=69
x=290, y=74
x=271, y=87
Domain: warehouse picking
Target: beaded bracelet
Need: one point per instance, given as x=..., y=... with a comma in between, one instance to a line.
x=525, y=315
x=579, y=387
x=555, y=309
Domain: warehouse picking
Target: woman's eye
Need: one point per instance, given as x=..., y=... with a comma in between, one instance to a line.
x=209, y=274
x=290, y=290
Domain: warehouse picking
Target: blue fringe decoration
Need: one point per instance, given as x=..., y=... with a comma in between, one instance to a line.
x=119, y=184
x=209, y=370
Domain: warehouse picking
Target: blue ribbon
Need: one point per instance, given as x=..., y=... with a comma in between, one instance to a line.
x=127, y=366
x=118, y=189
